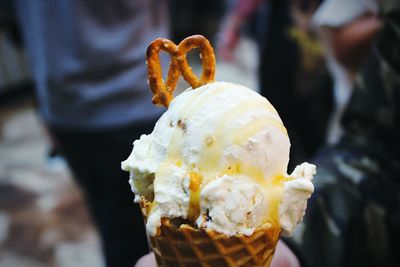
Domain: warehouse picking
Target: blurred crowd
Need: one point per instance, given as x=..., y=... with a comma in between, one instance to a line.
x=330, y=67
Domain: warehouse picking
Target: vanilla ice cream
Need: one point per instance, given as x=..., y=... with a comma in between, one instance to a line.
x=218, y=157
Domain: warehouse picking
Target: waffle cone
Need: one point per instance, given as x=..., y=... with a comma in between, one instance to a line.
x=183, y=245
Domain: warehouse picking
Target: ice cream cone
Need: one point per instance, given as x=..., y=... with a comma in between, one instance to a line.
x=177, y=244
x=216, y=167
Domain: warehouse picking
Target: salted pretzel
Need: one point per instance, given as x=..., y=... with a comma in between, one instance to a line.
x=179, y=65
x=162, y=91
x=207, y=58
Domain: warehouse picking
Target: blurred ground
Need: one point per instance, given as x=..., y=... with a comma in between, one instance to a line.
x=43, y=219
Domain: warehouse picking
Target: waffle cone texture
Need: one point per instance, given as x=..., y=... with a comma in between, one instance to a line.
x=177, y=244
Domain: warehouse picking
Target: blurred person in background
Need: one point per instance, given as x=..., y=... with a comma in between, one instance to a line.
x=291, y=72
x=353, y=217
x=88, y=63
x=330, y=21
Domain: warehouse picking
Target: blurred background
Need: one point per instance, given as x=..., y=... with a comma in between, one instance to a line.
x=279, y=48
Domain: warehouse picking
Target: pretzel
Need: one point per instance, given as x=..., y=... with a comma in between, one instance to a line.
x=207, y=58
x=162, y=90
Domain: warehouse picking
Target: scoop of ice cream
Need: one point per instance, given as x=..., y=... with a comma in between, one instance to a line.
x=218, y=157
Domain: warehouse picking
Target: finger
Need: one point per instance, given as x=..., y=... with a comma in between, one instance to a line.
x=147, y=260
